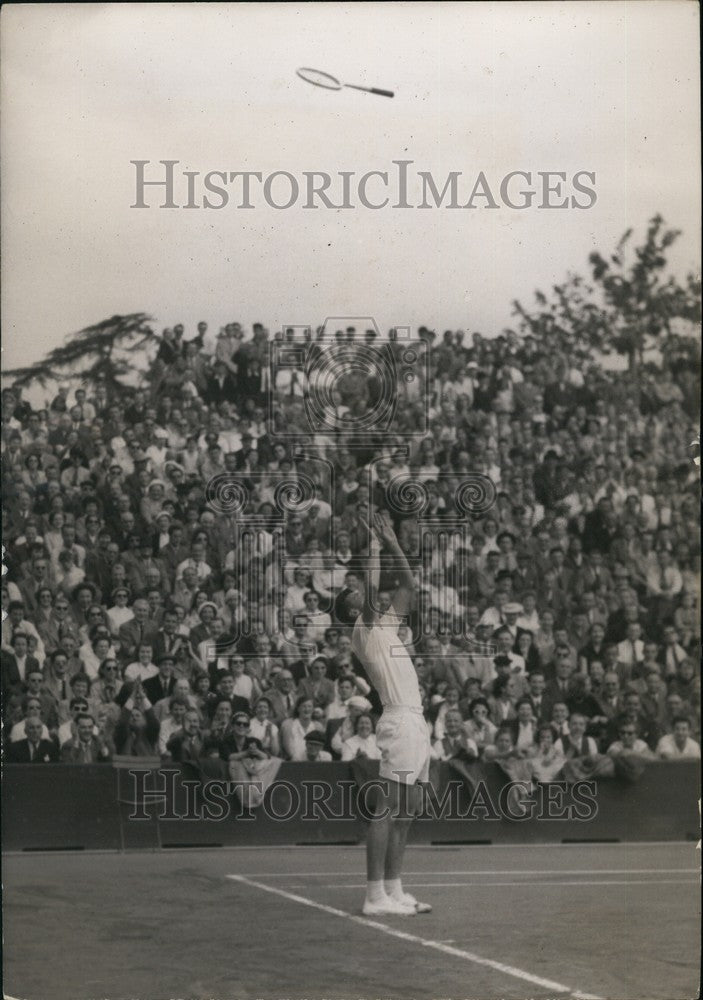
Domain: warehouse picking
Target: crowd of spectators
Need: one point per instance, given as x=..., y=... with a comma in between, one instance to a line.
x=562, y=623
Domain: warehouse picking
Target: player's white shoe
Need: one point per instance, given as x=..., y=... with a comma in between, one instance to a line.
x=411, y=901
x=388, y=907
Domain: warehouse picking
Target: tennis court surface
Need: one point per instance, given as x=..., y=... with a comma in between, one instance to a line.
x=597, y=920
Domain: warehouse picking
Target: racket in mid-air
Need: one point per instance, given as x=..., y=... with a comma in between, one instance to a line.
x=329, y=82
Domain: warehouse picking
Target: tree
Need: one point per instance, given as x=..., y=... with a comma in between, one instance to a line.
x=629, y=306
x=106, y=353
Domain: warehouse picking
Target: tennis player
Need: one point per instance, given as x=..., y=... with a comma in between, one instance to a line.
x=401, y=734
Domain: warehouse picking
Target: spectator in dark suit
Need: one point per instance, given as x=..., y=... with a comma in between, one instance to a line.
x=161, y=686
x=282, y=697
x=86, y=748
x=167, y=642
x=579, y=698
x=188, y=744
x=647, y=728
x=225, y=692
x=33, y=749
x=18, y=665
x=138, y=630
x=220, y=386
x=541, y=708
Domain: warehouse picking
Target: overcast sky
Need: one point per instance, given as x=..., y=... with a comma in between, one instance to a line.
x=604, y=87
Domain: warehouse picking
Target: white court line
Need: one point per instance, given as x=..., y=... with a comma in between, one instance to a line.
x=491, y=885
x=446, y=949
x=503, y=871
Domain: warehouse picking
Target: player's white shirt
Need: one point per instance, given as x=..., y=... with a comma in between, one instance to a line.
x=387, y=661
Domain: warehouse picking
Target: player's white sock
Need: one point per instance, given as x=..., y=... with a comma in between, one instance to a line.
x=375, y=892
x=394, y=888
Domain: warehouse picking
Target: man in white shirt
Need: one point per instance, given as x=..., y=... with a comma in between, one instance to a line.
x=631, y=649
x=629, y=743
x=678, y=745
x=197, y=561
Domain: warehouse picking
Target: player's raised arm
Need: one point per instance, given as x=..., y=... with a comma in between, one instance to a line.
x=404, y=595
x=372, y=577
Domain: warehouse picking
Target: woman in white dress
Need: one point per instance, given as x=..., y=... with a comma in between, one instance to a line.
x=293, y=731
x=363, y=742
x=263, y=729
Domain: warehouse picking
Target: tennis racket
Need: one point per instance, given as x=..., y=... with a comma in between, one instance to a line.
x=319, y=79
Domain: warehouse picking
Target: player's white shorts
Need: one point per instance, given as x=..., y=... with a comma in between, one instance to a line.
x=404, y=741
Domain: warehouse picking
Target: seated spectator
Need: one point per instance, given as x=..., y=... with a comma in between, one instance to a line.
x=454, y=743
x=502, y=699
x=31, y=709
x=173, y=722
x=120, y=613
x=87, y=746
x=137, y=732
x=162, y=684
x=34, y=748
x=535, y=694
x=340, y=729
x=220, y=723
x=576, y=743
x=186, y=744
x=546, y=758
x=314, y=743
x=528, y=651
x=16, y=665
x=647, y=728
x=560, y=719
x=671, y=652
x=524, y=725
x=317, y=686
x=16, y=621
x=363, y=742
x=687, y=620
x=628, y=744
x=478, y=727
x=449, y=703
x=225, y=691
x=49, y=706
x=678, y=745
x=264, y=729
x=56, y=679
x=182, y=690
x=282, y=696
x=503, y=749
x=294, y=730
x=580, y=699
x=143, y=668
x=686, y=684
x=94, y=651
x=250, y=767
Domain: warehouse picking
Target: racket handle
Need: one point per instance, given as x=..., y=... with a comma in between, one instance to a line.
x=371, y=90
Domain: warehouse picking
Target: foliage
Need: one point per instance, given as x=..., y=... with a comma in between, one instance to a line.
x=629, y=304
x=105, y=352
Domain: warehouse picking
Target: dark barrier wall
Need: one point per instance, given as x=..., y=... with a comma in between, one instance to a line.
x=57, y=807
